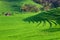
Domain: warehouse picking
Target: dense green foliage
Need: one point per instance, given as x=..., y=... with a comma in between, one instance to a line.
x=48, y=4
x=29, y=8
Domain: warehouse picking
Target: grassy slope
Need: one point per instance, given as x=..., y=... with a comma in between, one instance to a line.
x=13, y=28
x=7, y=6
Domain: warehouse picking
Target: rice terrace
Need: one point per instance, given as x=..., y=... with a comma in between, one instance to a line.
x=29, y=19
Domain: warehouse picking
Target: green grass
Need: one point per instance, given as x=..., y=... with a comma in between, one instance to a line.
x=14, y=28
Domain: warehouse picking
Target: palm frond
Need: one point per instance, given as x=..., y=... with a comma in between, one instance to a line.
x=51, y=16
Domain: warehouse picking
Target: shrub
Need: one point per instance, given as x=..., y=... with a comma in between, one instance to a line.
x=29, y=8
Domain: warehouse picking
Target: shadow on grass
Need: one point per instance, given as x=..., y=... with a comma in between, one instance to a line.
x=52, y=17
x=54, y=39
x=16, y=8
x=52, y=30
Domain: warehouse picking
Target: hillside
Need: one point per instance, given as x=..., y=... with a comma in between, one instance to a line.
x=9, y=6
